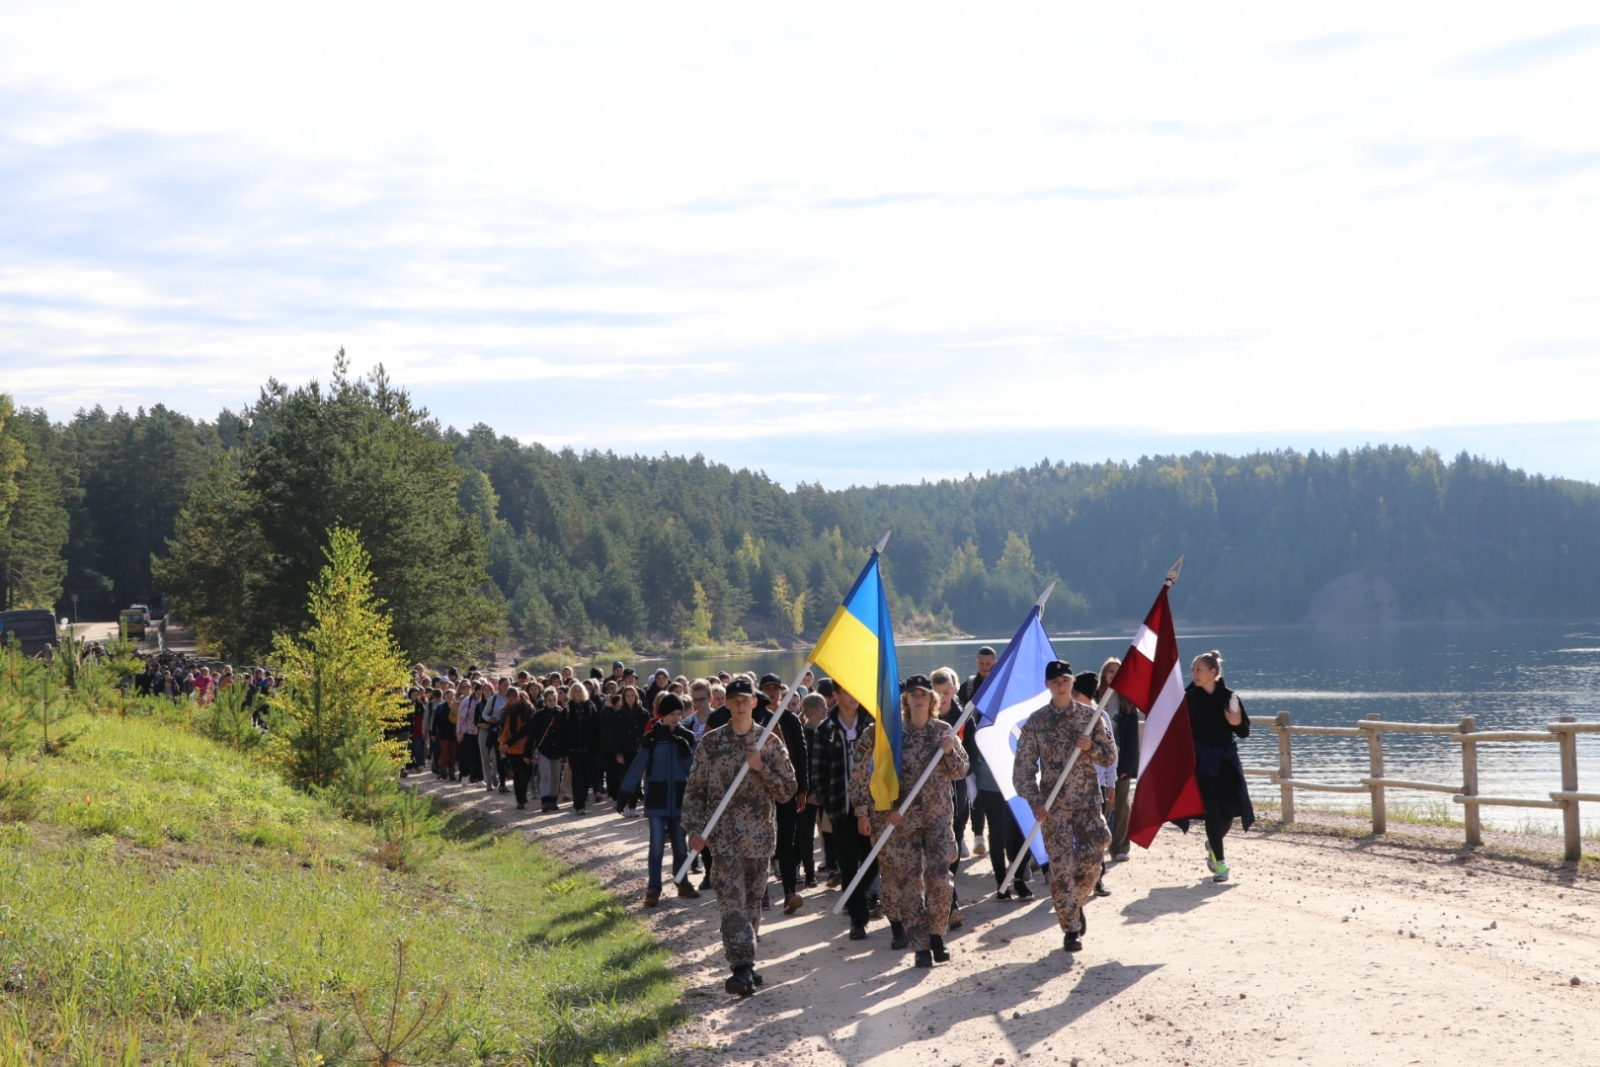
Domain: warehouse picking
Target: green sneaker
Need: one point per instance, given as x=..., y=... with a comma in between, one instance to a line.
x=1219, y=873
x=1211, y=861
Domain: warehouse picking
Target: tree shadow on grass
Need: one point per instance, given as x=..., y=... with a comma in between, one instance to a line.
x=581, y=1037
x=469, y=828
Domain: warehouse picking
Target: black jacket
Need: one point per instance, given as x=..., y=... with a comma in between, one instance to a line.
x=630, y=725
x=1207, y=715
x=549, y=732
x=582, y=728
x=968, y=689
x=1125, y=732
x=829, y=769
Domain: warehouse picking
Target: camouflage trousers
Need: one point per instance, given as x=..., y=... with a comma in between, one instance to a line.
x=1076, y=847
x=917, y=886
x=739, y=882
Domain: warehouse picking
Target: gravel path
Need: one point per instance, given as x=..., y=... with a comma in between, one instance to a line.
x=1329, y=947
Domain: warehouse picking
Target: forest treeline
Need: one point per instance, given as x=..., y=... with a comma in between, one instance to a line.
x=476, y=537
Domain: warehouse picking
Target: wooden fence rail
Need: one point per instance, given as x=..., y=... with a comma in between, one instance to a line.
x=1376, y=784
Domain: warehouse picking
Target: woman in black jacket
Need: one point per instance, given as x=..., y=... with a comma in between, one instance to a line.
x=550, y=744
x=1216, y=717
x=581, y=728
x=631, y=721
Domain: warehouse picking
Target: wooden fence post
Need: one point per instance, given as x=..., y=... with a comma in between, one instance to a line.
x=1285, y=768
x=1569, y=784
x=1469, y=781
x=1380, y=810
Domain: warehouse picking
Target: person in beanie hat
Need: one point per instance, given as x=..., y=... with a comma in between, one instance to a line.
x=744, y=839
x=1074, y=828
x=661, y=771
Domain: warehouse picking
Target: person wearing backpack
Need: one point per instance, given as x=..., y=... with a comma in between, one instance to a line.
x=660, y=770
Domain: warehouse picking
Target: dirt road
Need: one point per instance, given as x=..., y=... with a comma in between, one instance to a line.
x=1327, y=948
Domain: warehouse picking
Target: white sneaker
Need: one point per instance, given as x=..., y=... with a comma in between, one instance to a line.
x=1121, y=857
x=965, y=852
x=978, y=848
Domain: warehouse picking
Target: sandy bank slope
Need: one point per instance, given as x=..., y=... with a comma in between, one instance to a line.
x=1324, y=950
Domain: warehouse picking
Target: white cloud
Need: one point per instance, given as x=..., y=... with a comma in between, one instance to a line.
x=1366, y=218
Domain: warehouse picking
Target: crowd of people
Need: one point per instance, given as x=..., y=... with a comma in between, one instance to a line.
x=180, y=676
x=668, y=749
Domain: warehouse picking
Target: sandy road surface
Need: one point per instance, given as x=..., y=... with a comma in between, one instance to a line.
x=1326, y=949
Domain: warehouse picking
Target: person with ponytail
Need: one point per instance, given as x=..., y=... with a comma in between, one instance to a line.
x=1216, y=718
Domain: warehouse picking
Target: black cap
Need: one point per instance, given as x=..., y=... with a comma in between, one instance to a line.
x=1086, y=683
x=985, y=651
x=739, y=687
x=916, y=681
x=596, y=672
x=770, y=679
x=1058, y=668
x=825, y=687
x=670, y=703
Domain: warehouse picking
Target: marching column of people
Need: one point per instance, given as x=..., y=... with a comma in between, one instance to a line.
x=671, y=749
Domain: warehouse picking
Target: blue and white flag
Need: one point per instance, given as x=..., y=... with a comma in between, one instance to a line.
x=1014, y=690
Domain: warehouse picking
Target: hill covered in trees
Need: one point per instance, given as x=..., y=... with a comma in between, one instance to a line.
x=474, y=533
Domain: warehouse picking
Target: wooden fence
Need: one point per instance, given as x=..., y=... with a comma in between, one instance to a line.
x=1564, y=734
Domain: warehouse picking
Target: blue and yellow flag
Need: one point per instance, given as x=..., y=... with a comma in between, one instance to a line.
x=857, y=652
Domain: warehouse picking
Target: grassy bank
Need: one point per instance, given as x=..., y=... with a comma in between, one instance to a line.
x=165, y=899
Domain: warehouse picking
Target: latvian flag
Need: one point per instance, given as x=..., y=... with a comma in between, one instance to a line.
x=1151, y=678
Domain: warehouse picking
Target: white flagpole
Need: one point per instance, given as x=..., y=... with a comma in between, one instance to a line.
x=744, y=769
x=1099, y=709
x=905, y=805
x=738, y=779
x=1061, y=780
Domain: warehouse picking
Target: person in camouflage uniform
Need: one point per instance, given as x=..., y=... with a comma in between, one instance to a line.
x=915, y=861
x=746, y=836
x=1074, y=828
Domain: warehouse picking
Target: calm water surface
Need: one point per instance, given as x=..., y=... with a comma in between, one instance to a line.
x=1507, y=675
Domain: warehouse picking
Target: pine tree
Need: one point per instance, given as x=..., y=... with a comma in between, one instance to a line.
x=342, y=678
x=34, y=532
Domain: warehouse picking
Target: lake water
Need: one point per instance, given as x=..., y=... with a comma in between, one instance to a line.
x=1508, y=675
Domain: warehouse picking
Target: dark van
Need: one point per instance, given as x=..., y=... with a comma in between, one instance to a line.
x=33, y=628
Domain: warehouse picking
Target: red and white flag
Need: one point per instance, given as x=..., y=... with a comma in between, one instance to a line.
x=1151, y=677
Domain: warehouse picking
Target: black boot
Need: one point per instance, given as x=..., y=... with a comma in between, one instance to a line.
x=898, y=941
x=936, y=946
x=742, y=982
x=755, y=976
x=924, y=958
x=1072, y=943
x=858, y=932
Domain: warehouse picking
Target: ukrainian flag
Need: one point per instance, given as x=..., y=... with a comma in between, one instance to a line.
x=857, y=652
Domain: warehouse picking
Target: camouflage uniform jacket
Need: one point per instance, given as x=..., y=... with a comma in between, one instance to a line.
x=918, y=748
x=749, y=826
x=1045, y=744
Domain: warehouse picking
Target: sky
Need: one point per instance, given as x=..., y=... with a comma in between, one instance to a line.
x=840, y=243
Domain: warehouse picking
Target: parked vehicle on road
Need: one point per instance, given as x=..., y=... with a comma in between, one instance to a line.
x=35, y=629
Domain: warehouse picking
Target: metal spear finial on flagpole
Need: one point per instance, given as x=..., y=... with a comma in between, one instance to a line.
x=885, y=541
x=1174, y=571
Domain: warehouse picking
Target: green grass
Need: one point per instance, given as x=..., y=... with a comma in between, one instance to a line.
x=164, y=898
